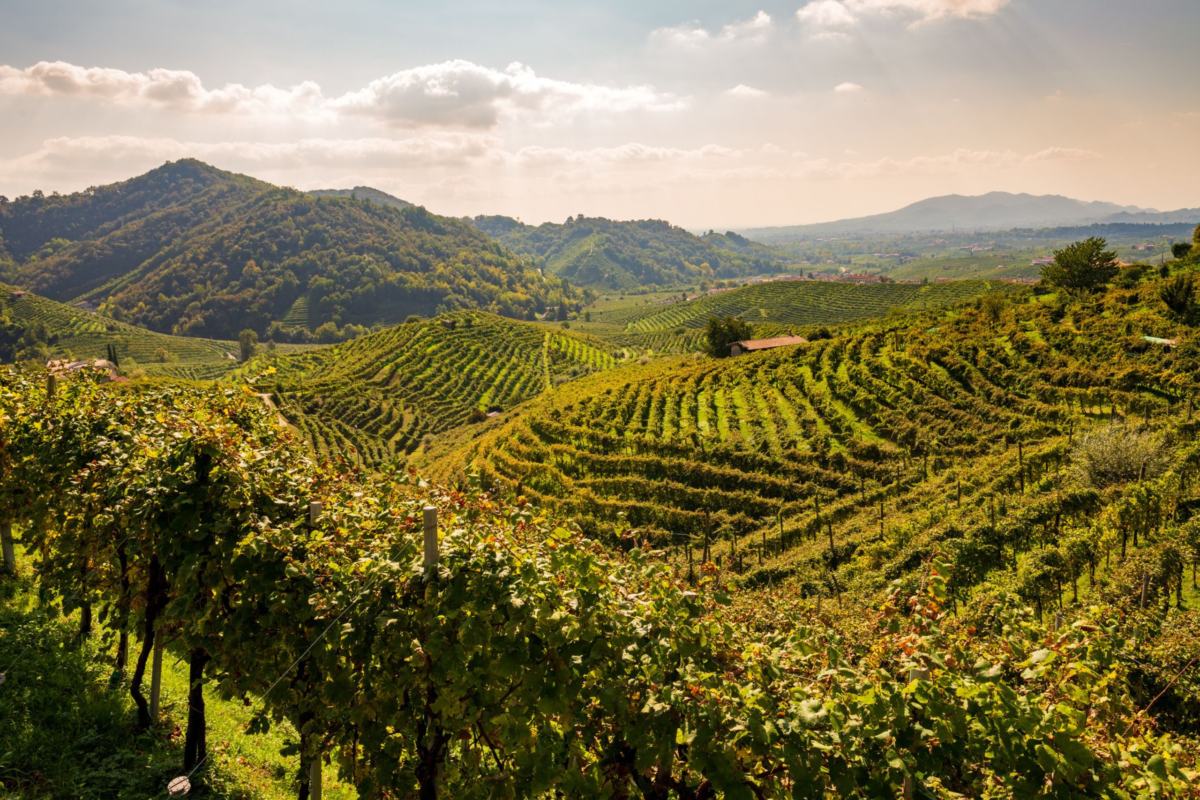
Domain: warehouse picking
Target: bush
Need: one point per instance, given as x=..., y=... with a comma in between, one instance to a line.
x=1114, y=455
x=1181, y=249
x=1179, y=296
x=992, y=307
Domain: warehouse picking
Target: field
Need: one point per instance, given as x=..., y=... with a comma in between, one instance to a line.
x=380, y=397
x=772, y=308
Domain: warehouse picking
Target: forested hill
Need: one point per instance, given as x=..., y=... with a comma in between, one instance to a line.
x=192, y=250
x=593, y=251
x=363, y=193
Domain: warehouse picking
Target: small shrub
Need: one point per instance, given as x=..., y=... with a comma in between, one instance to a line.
x=1113, y=455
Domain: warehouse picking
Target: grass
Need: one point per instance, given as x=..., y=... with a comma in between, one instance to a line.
x=67, y=732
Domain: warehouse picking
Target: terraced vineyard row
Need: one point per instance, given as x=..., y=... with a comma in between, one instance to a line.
x=380, y=396
x=83, y=334
x=840, y=451
x=774, y=307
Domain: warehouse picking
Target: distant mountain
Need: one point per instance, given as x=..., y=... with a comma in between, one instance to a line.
x=364, y=193
x=192, y=250
x=603, y=253
x=993, y=211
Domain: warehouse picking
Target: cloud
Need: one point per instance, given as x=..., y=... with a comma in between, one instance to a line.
x=453, y=94
x=690, y=36
x=932, y=9
x=175, y=90
x=848, y=87
x=832, y=17
x=746, y=92
x=628, y=153
x=827, y=14
x=120, y=155
x=463, y=94
x=948, y=163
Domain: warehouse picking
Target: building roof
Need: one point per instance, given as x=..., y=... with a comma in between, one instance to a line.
x=750, y=345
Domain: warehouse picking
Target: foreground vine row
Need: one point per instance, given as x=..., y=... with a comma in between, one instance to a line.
x=531, y=661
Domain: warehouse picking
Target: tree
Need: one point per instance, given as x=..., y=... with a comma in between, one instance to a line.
x=1196, y=237
x=1083, y=267
x=248, y=341
x=1181, y=249
x=722, y=332
x=1179, y=296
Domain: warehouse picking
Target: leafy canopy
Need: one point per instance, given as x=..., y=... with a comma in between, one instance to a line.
x=722, y=332
x=1083, y=267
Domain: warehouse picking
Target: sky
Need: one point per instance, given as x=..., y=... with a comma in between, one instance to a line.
x=708, y=114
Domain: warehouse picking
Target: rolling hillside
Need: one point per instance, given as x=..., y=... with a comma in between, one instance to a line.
x=776, y=306
x=604, y=253
x=865, y=453
x=70, y=332
x=378, y=397
x=191, y=250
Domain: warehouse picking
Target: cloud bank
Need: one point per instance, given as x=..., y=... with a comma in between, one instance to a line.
x=451, y=94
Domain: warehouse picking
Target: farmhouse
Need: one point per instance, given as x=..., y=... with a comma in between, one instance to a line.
x=755, y=345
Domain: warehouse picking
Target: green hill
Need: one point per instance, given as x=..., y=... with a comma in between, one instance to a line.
x=776, y=306
x=380, y=396
x=363, y=193
x=597, y=252
x=38, y=328
x=191, y=250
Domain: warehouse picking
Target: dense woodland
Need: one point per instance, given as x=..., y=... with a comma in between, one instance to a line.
x=191, y=250
x=597, y=252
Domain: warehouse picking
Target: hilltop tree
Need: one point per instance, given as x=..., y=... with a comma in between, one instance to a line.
x=723, y=332
x=1083, y=267
x=248, y=341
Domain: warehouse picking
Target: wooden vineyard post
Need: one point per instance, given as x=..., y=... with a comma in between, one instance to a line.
x=881, y=515
x=909, y=788
x=707, y=527
x=6, y=543
x=691, y=570
x=762, y=551
x=315, y=510
x=1021, y=462
x=1058, y=621
x=156, y=676
x=51, y=386
x=431, y=537
x=782, y=539
x=314, y=779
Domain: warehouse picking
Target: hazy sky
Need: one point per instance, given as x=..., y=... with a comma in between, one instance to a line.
x=705, y=113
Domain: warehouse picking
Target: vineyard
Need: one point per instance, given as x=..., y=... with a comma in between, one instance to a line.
x=383, y=395
x=86, y=335
x=516, y=657
x=846, y=463
x=776, y=306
